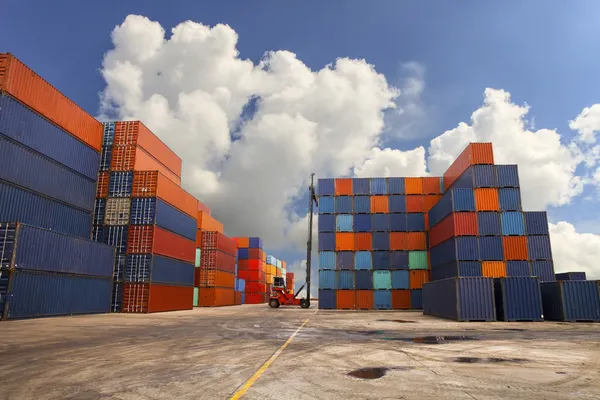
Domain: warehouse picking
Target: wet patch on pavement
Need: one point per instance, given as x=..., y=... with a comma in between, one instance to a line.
x=375, y=372
x=491, y=360
x=400, y=321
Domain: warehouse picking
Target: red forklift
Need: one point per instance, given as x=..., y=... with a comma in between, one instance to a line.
x=279, y=295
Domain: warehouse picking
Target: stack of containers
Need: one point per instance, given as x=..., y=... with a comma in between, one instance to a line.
x=271, y=268
x=289, y=282
x=142, y=211
x=49, y=156
x=372, y=241
x=217, y=270
x=252, y=269
x=204, y=222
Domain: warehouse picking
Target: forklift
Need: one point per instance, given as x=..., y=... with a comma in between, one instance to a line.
x=279, y=295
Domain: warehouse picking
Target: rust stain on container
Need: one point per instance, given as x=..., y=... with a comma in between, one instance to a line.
x=493, y=269
x=362, y=241
x=344, y=241
x=343, y=187
x=486, y=199
x=398, y=240
x=379, y=204
x=417, y=241
x=413, y=185
x=515, y=248
x=415, y=203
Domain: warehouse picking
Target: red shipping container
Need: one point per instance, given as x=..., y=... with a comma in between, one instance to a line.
x=256, y=287
x=31, y=89
x=344, y=241
x=255, y=298
x=455, y=224
x=216, y=278
x=364, y=300
x=254, y=254
x=218, y=241
x=237, y=298
x=148, y=298
x=155, y=184
x=216, y=297
x=343, y=187
x=432, y=185
x=102, y=185
x=474, y=154
x=252, y=276
x=401, y=299
x=418, y=278
x=133, y=158
x=415, y=203
x=144, y=239
x=431, y=200
x=363, y=242
x=345, y=299
x=196, y=276
x=242, y=264
x=413, y=185
x=216, y=259
x=256, y=265
x=515, y=248
x=398, y=241
x=417, y=241
x=136, y=133
x=379, y=205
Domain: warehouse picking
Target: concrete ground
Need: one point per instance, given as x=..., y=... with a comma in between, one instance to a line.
x=210, y=353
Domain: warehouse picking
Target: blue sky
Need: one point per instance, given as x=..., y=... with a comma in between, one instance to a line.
x=544, y=55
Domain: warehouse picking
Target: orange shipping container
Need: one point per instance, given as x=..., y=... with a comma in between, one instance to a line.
x=415, y=203
x=379, y=204
x=238, y=298
x=144, y=239
x=515, y=248
x=102, y=185
x=362, y=241
x=343, y=187
x=345, y=299
x=243, y=242
x=413, y=185
x=344, y=241
x=417, y=241
x=493, y=269
x=136, y=133
x=486, y=199
x=432, y=185
x=401, y=299
x=364, y=300
x=155, y=184
x=473, y=154
x=254, y=254
x=418, y=278
x=144, y=298
x=203, y=207
x=216, y=297
x=216, y=278
x=208, y=223
x=130, y=158
x=398, y=241
x=431, y=200
x=31, y=89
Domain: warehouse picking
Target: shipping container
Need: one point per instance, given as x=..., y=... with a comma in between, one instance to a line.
x=244, y=242
x=216, y=259
x=148, y=268
x=116, y=236
x=456, y=269
x=418, y=278
x=486, y=199
x=544, y=270
x=31, y=294
x=512, y=223
x=488, y=223
x=105, y=158
x=149, y=211
x=364, y=300
x=152, y=239
x=417, y=241
x=399, y=241
x=518, y=299
x=415, y=222
x=362, y=205
x=536, y=223
x=397, y=204
x=477, y=176
x=97, y=233
x=400, y=299
x=382, y=299
x=344, y=241
x=116, y=298
x=326, y=223
x=327, y=279
x=571, y=276
x=108, y=133
x=491, y=248
x=345, y=299
x=381, y=260
x=120, y=184
x=508, y=176
x=345, y=260
x=539, y=247
x=454, y=200
x=31, y=170
x=571, y=301
x=99, y=211
x=430, y=201
x=254, y=298
x=155, y=184
x=362, y=223
x=381, y=241
x=117, y=211
x=474, y=154
x=382, y=280
x=205, y=222
x=218, y=241
x=378, y=186
x=379, y=204
x=343, y=187
x=131, y=157
x=455, y=224
x=102, y=188
x=363, y=280
x=343, y=223
x=362, y=260
x=149, y=298
x=416, y=299
x=196, y=294
x=343, y=205
x=461, y=299
x=432, y=185
x=327, y=260
x=25, y=247
x=327, y=299
x=37, y=133
x=120, y=265
x=396, y=186
x=415, y=203
x=361, y=186
x=515, y=248
x=463, y=248
x=362, y=241
x=256, y=287
x=326, y=204
x=417, y=260
x=493, y=269
x=510, y=199
x=344, y=279
x=31, y=89
x=400, y=279
x=326, y=187
x=398, y=222
x=380, y=223
x=400, y=260
x=518, y=268
x=216, y=278
x=413, y=185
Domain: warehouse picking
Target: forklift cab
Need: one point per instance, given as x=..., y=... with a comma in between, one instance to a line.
x=278, y=282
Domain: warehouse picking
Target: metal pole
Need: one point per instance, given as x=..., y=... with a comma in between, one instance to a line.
x=311, y=198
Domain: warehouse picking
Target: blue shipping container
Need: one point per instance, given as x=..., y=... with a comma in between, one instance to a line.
x=105, y=158
x=361, y=186
x=512, y=223
x=326, y=187
x=327, y=299
x=326, y=260
x=116, y=236
x=396, y=186
x=398, y=223
x=120, y=267
x=461, y=299
x=382, y=299
x=345, y=280
x=362, y=223
x=571, y=301
x=491, y=248
x=544, y=270
x=381, y=260
x=381, y=241
x=416, y=299
x=362, y=204
x=399, y=260
x=97, y=233
x=343, y=204
x=326, y=223
x=518, y=268
x=536, y=223
x=488, y=223
x=397, y=204
x=518, y=299
x=42, y=294
x=510, y=199
x=400, y=280
x=380, y=223
x=326, y=241
x=32, y=248
x=148, y=268
x=477, y=176
x=242, y=254
x=326, y=279
x=539, y=247
x=31, y=170
x=568, y=276
x=24, y=206
x=149, y=211
x=99, y=211
x=456, y=269
x=254, y=242
x=363, y=260
x=415, y=222
x=463, y=248
x=116, y=298
x=345, y=260
x=327, y=205
x=454, y=200
x=343, y=223
x=36, y=132
x=508, y=176
x=363, y=280
x=108, y=135
x=378, y=186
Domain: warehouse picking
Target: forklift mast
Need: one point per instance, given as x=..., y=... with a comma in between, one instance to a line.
x=311, y=198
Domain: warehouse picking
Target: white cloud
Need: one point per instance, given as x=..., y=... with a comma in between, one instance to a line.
x=299, y=270
x=573, y=251
x=546, y=166
x=391, y=162
x=587, y=124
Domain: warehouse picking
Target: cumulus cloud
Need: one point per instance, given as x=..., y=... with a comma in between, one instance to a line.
x=573, y=251
x=299, y=270
x=587, y=124
x=392, y=162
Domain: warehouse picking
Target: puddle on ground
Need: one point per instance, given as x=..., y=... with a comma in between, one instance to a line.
x=473, y=360
x=433, y=339
x=374, y=373
x=369, y=333
x=400, y=321
x=561, y=373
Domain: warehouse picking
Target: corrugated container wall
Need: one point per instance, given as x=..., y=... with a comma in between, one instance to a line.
x=571, y=301
x=461, y=299
x=518, y=299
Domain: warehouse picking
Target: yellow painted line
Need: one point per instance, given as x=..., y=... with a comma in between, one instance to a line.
x=248, y=384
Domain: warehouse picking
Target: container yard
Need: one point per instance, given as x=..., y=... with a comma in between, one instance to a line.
x=418, y=278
